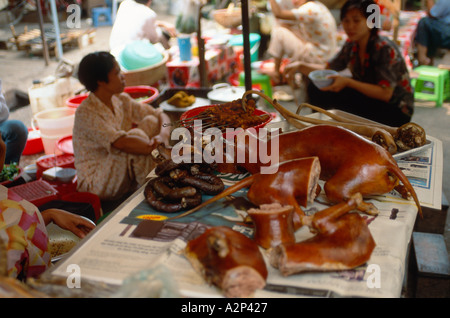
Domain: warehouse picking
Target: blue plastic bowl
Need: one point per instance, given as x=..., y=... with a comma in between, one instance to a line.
x=139, y=54
x=320, y=77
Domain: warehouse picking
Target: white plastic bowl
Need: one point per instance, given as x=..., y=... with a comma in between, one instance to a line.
x=65, y=175
x=320, y=77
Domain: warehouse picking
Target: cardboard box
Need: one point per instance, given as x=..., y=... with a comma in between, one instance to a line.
x=183, y=73
x=212, y=65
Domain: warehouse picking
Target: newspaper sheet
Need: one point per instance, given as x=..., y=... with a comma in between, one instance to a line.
x=424, y=169
x=133, y=239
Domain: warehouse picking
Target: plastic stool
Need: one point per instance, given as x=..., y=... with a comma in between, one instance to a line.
x=101, y=11
x=440, y=80
x=258, y=78
x=37, y=192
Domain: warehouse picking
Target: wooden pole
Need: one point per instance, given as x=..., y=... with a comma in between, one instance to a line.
x=246, y=41
x=41, y=26
x=201, y=51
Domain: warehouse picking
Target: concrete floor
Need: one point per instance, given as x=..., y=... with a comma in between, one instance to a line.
x=17, y=71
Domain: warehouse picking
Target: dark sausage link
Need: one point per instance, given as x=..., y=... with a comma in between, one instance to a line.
x=202, y=167
x=191, y=202
x=166, y=166
x=178, y=174
x=207, y=183
x=159, y=204
x=166, y=188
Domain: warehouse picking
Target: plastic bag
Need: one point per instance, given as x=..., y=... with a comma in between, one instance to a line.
x=187, y=19
x=156, y=282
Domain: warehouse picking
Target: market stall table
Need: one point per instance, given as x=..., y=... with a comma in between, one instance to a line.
x=132, y=239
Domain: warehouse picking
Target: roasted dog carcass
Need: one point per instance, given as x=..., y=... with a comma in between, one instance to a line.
x=349, y=163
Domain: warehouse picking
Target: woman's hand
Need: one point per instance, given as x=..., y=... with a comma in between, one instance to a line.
x=301, y=67
x=68, y=221
x=164, y=134
x=370, y=90
x=162, y=138
x=170, y=28
x=340, y=82
x=290, y=69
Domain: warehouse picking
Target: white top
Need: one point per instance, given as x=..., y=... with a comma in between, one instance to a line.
x=134, y=21
x=317, y=25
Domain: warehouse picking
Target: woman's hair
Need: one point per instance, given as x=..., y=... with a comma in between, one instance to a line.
x=95, y=67
x=362, y=6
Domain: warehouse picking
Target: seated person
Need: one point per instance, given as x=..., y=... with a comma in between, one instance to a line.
x=14, y=133
x=379, y=88
x=23, y=232
x=112, y=156
x=433, y=31
x=135, y=20
x=311, y=39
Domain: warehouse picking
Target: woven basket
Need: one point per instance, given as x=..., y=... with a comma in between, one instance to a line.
x=228, y=18
x=147, y=75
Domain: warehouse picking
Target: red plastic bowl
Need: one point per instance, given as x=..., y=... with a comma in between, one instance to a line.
x=195, y=111
x=138, y=92
x=34, y=143
x=65, y=144
x=75, y=101
x=45, y=162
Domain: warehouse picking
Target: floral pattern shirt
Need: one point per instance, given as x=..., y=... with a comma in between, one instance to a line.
x=317, y=26
x=383, y=65
x=23, y=233
x=101, y=168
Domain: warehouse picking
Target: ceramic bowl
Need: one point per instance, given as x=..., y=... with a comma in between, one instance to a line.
x=320, y=77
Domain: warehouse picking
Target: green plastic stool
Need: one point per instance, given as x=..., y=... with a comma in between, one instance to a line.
x=257, y=78
x=440, y=80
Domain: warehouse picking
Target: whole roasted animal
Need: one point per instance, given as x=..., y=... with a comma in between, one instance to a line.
x=229, y=260
x=349, y=164
x=342, y=241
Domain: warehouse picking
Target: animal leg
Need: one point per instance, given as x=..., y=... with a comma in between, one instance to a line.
x=324, y=221
x=340, y=188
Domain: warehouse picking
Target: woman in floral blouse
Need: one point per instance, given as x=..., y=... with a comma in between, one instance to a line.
x=24, y=241
x=379, y=88
x=112, y=156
